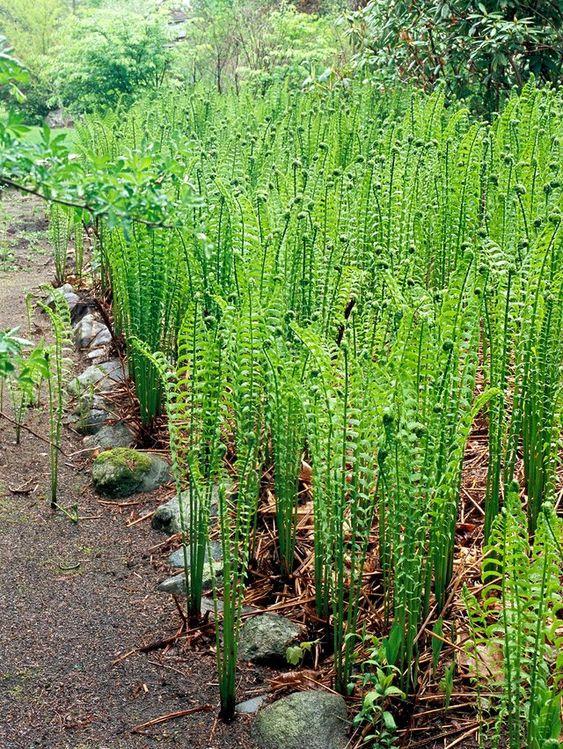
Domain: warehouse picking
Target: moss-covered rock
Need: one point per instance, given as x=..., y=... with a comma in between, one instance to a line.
x=167, y=517
x=123, y=471
x=303, y=720
x=267, y=637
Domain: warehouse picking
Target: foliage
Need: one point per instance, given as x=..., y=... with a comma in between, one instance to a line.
x=34, y=31
x=12, y=72
x=113, y=55
x=57, y=375
x=254, y=41
x=33, y=27
x=345, y=277
x=22, y=373
x=518, y=614
x=377, y=677
x=477, y=49
x=24, y=383
x=11, y=345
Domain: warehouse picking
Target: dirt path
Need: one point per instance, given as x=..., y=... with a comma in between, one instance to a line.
x=74, y=598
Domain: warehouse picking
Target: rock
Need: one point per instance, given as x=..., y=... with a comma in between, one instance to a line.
x=69, y=294
x=97, y=355
x=177, y=583
x=91, y=421
x=266, y=638
x=176, y=559
x=58, y=118
x=90, y=331
x=208, y=606
x=90, y=414
x=102, y=377
x=111, y=436
x=88, y=400
x=303, y=720
x=121, y=472
x=167, y=516
x=251, y=706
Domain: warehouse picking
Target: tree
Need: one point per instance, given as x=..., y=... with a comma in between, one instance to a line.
x=32, y=27
x=113, y=54
x=12, y=72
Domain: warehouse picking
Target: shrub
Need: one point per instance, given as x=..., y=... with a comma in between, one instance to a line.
x=113, y=55
x=479, y=49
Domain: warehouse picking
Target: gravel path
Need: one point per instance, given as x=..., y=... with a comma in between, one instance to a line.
x=74, y=599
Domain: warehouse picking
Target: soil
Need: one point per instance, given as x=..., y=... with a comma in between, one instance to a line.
x=77, y=600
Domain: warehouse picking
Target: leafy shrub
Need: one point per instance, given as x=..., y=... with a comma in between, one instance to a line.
x=478, y=49
x=256, y=41
x=113, y=54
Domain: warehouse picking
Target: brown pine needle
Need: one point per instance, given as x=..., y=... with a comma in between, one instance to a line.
x=172, y=716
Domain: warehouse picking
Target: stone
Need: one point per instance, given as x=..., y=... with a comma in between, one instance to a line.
x=111, y=436
x=251, y=706
x=69, y=294
x=167, y=517
x=303, y=720
x=91, y=421
x=89, y=331
x=88, y=400
x=266, y=637
x=122, y=471
x=102, y=377
x=97, y=355
x=177, y=583
x=176, y=559
x=58, y=118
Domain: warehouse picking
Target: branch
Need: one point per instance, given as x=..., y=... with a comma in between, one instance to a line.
x=81, y=206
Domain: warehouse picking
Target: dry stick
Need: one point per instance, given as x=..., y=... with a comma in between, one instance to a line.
x=462, y=737
x=31, y=431
x=171, y=716
x=139, y=520
x=444, y=734
x=124, y=656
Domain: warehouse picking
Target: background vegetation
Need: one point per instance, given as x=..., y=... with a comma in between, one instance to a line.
x=90, y=54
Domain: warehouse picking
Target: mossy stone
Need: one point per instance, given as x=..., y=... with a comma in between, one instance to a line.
x=266, y=638
x=122, y=471
x=303, y=720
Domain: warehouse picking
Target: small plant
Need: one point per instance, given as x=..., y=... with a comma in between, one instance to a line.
x=447, y=683
x=11, y=346
x=25, y=382
x=518, y=614
x=378, y=677
x=295, y=654
x=59, y=316
x=60, y=231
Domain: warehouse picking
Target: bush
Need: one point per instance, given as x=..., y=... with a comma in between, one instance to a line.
x=113, y=54
x=479, y=49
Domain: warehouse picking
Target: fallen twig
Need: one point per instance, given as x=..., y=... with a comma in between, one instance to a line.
x=172, y=716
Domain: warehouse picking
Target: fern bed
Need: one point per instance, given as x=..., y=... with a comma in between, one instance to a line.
x=342, y=313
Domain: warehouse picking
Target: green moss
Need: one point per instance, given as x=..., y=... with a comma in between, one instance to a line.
x=125, y=457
